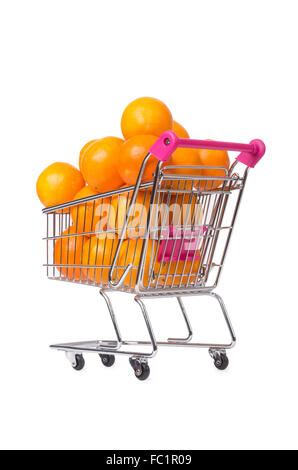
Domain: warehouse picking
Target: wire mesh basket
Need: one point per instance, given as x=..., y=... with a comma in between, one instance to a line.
x=166, y=237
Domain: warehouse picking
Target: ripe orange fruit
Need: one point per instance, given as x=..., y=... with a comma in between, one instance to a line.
x=183, y=272
x=180, y=131
x=137, y=222
x=132, y=154
x=99, y=251
x=93, y=215
x=82, y=152
x=185, y=211
x=68, y=250
x=99, y=164
x=180, y=157
x=130, y=252
x=58, y=183
x=201, y=157
x=146, y=116
x=213, y=158
x=184, y=157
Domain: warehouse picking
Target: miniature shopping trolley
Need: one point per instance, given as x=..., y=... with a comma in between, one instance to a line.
x=164, y=238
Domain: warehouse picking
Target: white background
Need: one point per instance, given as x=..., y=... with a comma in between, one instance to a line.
x=228, y=71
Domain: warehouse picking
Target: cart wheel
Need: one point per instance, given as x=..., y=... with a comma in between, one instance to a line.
x=141, y=368
x=80, y=362
x=221, y=362
x=142, y=371
x=107, y=359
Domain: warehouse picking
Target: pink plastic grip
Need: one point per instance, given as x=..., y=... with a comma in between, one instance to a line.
x=180, y=245
x=251, y=158
x=167, y=143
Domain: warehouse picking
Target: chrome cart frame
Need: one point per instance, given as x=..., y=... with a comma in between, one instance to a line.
x=154, y=255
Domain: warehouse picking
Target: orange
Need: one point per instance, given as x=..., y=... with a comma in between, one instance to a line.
x=132, y=154
x=213, y=158
x=146, y=116
x=180, y=131
x=137, y=222
x=185, y=211
x=179, y=158
x=58, y=183
x=130, y=253
x=201, y=157
x=173, y=207
x=136, y=227
x=99, y=164
x=99, y=251
x=184, y=157
x=92, y=215
x=68, y=250
x=83, y=150
x=183, y=272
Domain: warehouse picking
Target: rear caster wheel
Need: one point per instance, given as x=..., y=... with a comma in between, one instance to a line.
x=220, y=358
x=79, y=362
x=107, y=359
x=221, y=362
x=141, y=368
x=142, y=371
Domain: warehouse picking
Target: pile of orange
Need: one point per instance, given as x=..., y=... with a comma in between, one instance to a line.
x=107, y=164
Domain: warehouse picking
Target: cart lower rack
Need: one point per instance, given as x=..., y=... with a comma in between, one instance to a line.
x=165, y=238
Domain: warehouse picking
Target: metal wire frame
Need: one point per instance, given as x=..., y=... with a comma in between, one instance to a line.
x=211, y=207
x=205, y=208
x=114, y=347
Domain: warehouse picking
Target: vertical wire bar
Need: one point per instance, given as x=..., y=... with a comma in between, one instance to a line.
x=53, y=243
x=166, y=240
x=232, y=225
x=96, y=252
x=223, y=198
x=128, y=214
x=140, y=272
x=182, y=232
x=105, y=244
x=175, y=242
x=112, y=233
x=48, y=245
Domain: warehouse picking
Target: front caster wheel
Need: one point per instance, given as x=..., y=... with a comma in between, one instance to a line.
x=141, y=368
x=79, y=362
x=221, y=362
x=107, y=359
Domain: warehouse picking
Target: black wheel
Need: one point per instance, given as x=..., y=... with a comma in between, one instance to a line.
x=107, y=359
x=142, y=370
x=80, y=362
x=221, y=362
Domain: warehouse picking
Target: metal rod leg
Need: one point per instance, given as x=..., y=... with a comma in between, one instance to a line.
x=189, y=328
x=113, y=317
x=148, y=324
x=226, y=317
x=189, y=344
x=105, y=346
x=114, y=347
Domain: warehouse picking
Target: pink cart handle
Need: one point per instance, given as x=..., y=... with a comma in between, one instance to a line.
x=167, y=143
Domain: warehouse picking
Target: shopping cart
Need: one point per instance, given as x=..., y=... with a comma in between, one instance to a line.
x=164, y=238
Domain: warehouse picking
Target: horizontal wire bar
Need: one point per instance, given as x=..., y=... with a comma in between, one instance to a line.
x=75, y=202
